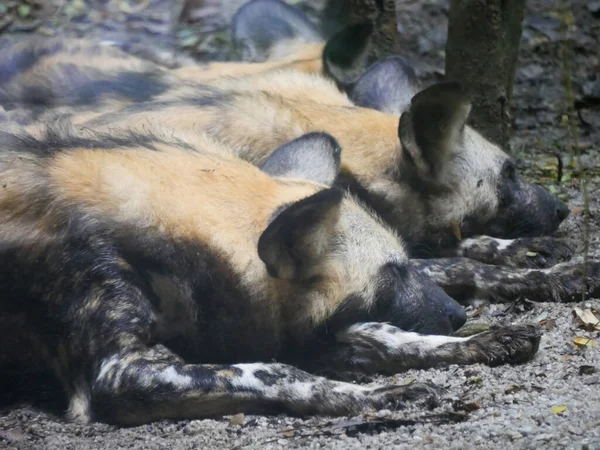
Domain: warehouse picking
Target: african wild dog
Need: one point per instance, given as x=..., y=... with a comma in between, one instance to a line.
x=156, y=276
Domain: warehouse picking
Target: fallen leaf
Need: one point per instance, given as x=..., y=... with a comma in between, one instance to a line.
x=456, y=230
x=587, y=319
x=459, y=405
x=513, y=388
x=584, y=342
x=475, y=380
x=559, y=409
x=587, y=370
x=238, y=419
x=549, y=324
x=23, y=10
x=565, y=357
x=404, y=381
x=564, y=120
x=288, y=433
x=478, y=311
x=531, y=254
x=577, y=210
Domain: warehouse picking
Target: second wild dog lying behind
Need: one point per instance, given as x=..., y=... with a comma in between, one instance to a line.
x=157, y=279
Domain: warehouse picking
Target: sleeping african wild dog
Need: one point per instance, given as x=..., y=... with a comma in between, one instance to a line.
x=437, y=181
x=156, y=277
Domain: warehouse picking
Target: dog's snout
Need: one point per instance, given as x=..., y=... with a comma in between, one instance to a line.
x=562, y=211
x=456, y=314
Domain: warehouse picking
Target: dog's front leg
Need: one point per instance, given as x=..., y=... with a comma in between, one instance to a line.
x=135, y=388
x=370, y=348
x=535, y=252
x=464, y=278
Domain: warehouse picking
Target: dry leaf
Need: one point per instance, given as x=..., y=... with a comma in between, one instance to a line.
x=513, y=388
x=587, y=319
x=565, y=357
x=288, y=434
x=587, y=370
x=478, y=311
x=559, y=409
x=238, y=419
x=549, y=324
x=577, y=210
x=407, y=381
x=584, y=342
x=474, y=380
x=456, y=230
x=468, y=407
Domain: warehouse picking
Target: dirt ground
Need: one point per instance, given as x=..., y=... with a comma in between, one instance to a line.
x=552, y=402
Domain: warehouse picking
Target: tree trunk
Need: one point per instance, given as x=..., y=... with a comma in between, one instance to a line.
x=481, y=53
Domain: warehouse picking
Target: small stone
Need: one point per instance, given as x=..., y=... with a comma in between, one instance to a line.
x=526, y=430
x=383, y=413
x=594, y=379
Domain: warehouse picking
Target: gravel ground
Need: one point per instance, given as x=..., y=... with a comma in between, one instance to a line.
x=551, y=402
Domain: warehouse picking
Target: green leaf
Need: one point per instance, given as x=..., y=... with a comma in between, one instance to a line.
x=24, y=10
x=531, y=254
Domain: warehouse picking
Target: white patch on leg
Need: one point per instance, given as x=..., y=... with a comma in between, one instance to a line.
x=503, y=244
x=106, y=366
x=172, y=376
x=248, y=380
x=393, y=339
x=79, y=406
x=286, y=387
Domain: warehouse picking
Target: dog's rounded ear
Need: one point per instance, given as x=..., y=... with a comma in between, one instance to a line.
x=387, y=86
x=313, y=156
x=346, y=53
x=260, y=24
x=433, y=125
x=295, y=241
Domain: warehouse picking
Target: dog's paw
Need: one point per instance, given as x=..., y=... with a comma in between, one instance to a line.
x=512, y=344
x=397, y=396
x=340, y=398
x=537, y=253
x=576, y=279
